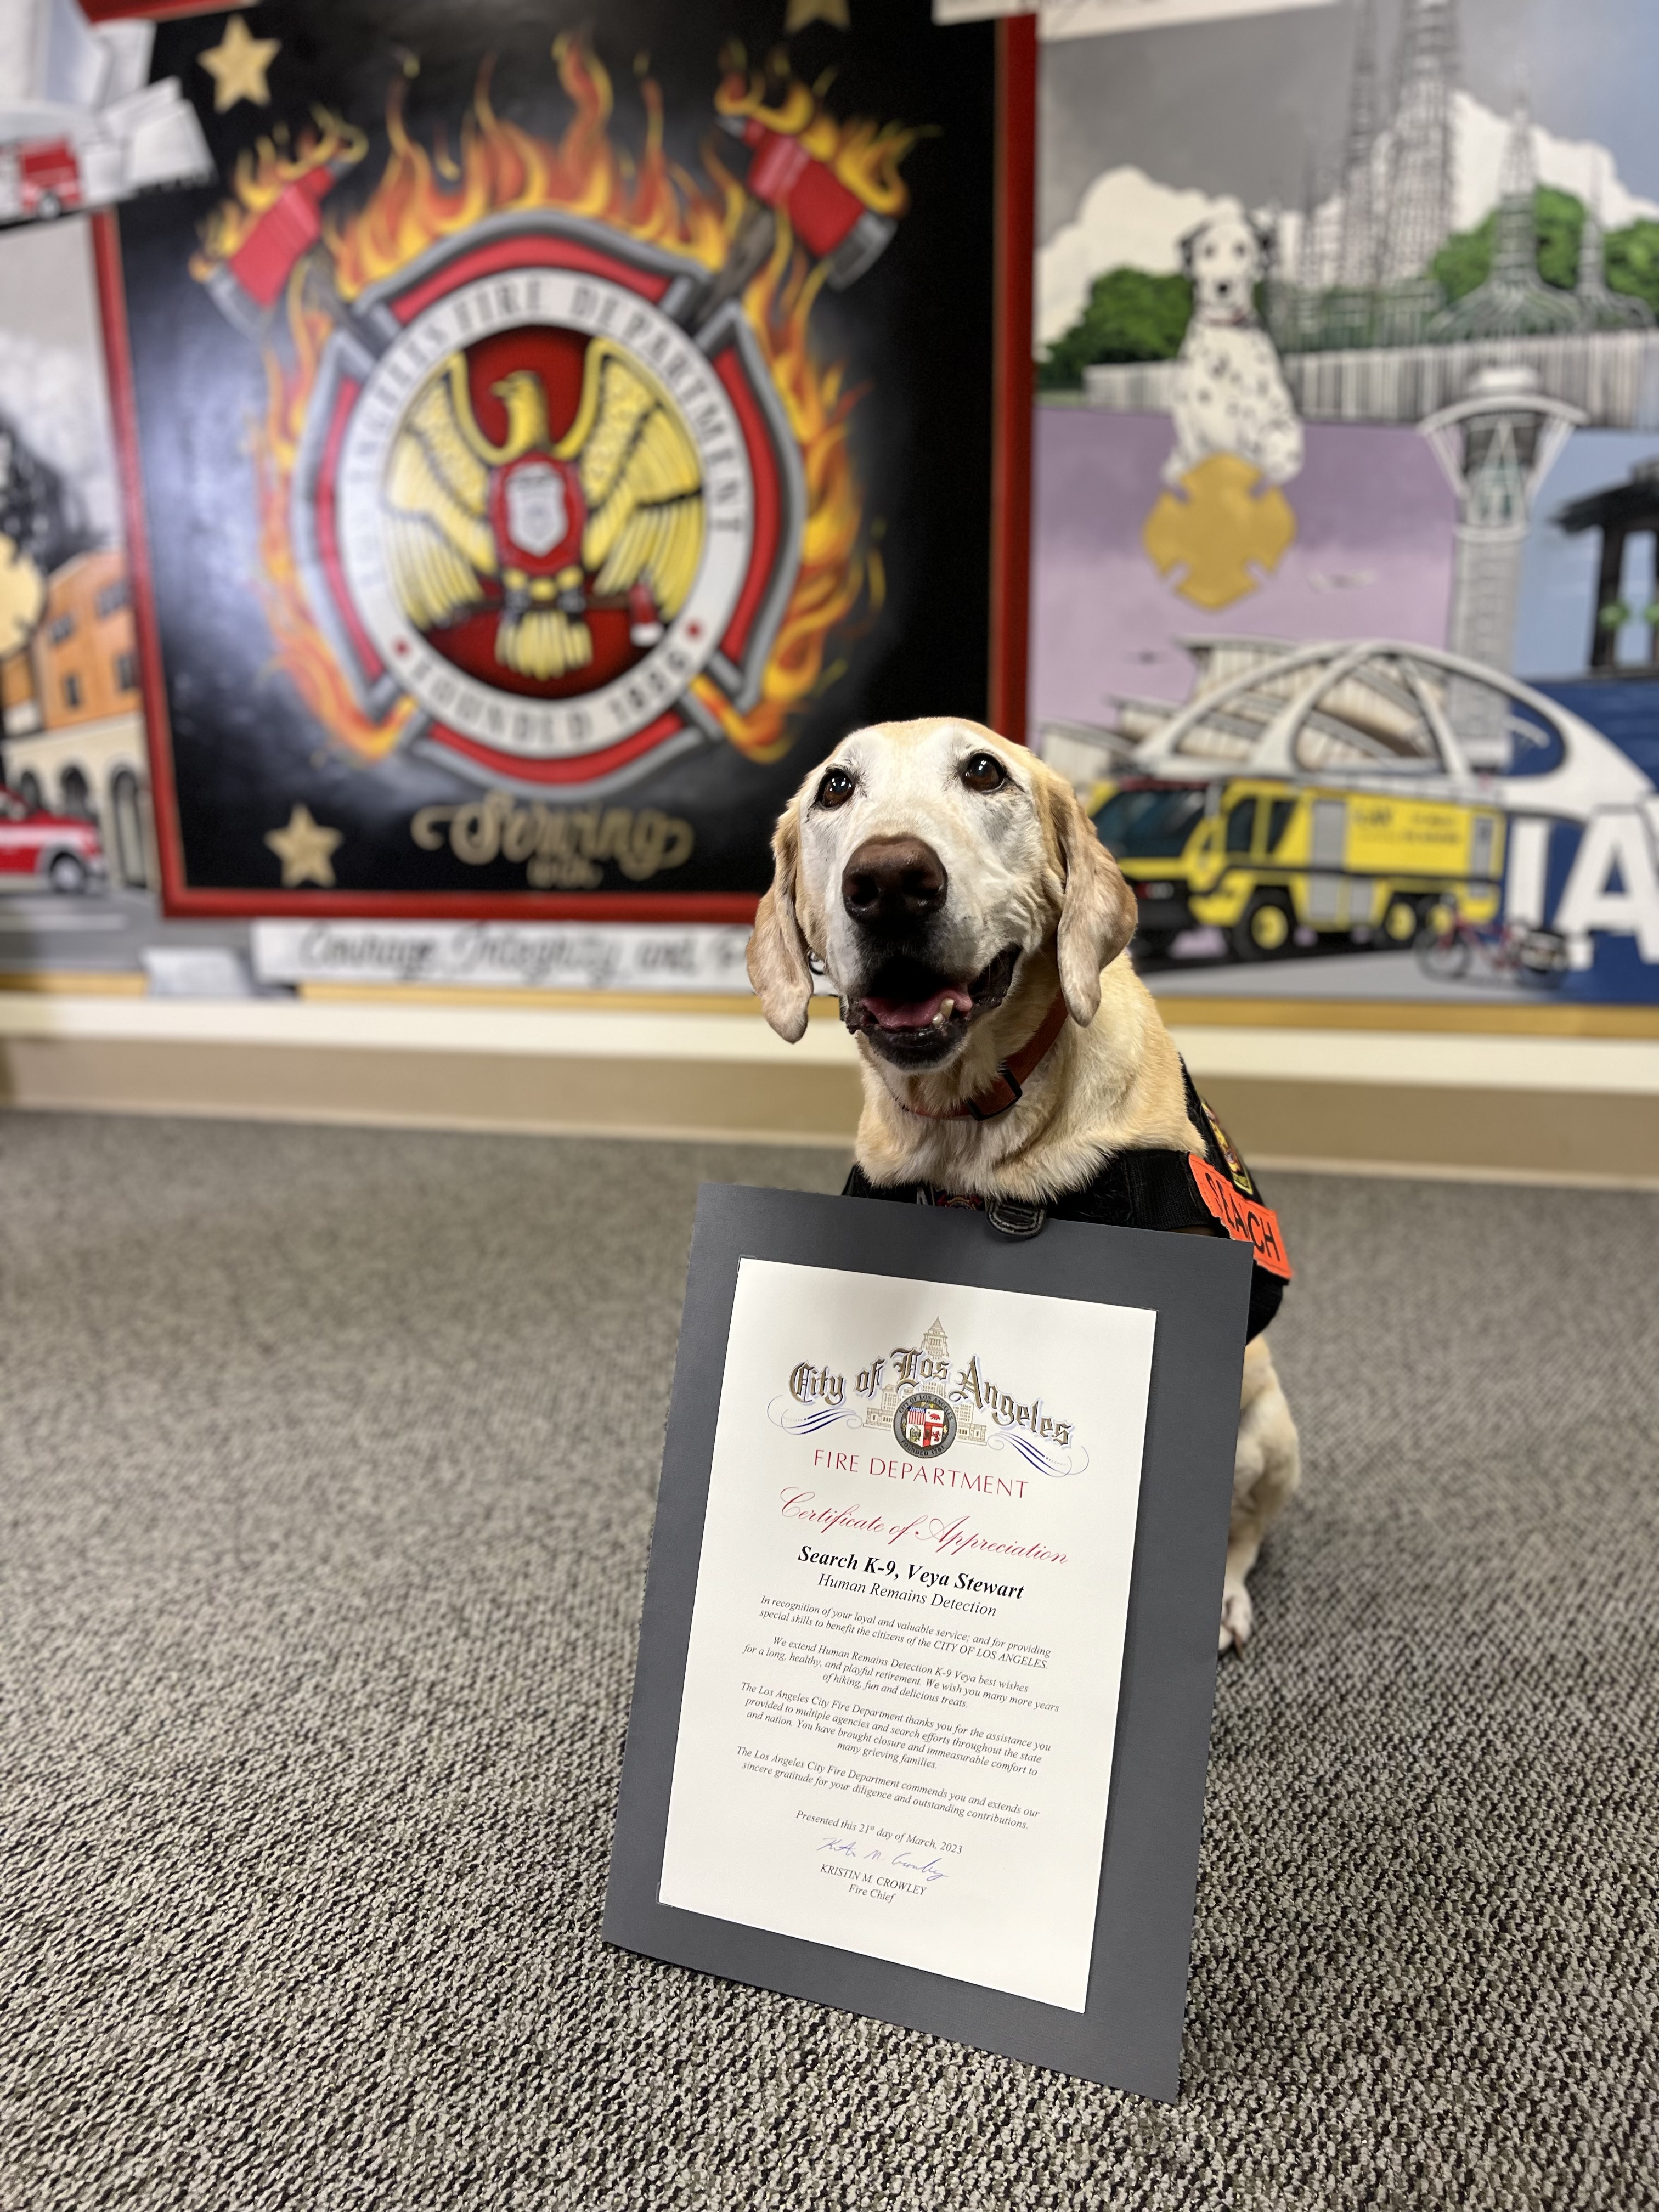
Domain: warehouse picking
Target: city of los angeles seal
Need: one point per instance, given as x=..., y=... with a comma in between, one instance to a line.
x=925, y=1423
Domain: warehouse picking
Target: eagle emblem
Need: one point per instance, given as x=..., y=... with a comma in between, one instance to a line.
x=544, y=531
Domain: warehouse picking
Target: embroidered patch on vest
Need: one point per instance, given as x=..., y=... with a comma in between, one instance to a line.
x=1245, y=1219
x=1224, y=1144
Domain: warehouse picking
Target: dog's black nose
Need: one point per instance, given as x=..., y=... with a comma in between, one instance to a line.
x=893, y=882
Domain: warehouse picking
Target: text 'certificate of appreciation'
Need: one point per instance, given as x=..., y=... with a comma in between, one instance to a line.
x=901, y=1692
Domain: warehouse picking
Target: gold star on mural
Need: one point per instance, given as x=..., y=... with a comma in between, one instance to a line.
x=238, y=65
x=803, y=12
x=306, y=850
x=1218, y=530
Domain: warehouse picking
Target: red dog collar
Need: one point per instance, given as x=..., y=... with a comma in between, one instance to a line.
x=1008, y=1089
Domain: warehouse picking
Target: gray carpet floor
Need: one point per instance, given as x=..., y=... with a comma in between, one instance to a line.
x=326, y=1470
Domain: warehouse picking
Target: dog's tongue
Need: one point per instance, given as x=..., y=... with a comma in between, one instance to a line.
x=918, y=1013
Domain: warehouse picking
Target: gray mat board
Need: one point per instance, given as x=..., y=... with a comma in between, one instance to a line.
x=1129, y=2031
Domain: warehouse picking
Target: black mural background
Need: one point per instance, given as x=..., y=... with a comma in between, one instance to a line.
x=914, y=333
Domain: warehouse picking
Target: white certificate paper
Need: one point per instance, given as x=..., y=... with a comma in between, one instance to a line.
x=901, y=1692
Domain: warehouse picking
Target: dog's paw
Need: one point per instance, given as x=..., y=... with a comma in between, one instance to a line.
x=1235, y=1620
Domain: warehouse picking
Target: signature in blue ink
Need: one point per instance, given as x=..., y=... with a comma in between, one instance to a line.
x=846, y=1848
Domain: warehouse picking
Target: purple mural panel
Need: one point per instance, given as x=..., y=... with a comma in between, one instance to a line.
x=1371, y=557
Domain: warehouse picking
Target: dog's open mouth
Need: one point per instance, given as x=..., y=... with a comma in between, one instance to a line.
x=914, y=1014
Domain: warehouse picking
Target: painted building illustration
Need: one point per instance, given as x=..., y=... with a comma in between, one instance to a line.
x=74, y=732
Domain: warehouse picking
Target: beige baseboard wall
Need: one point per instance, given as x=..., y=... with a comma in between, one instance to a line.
x=407, y=1087
x=1592, y=1138
x=1568, y=1109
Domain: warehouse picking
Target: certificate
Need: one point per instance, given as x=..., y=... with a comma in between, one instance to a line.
x=921, y=1716
x=901, y=1695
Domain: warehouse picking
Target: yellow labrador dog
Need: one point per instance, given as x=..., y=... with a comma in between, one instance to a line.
x=954, y=892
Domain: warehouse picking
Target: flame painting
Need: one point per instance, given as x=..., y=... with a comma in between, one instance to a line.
x=426, y=194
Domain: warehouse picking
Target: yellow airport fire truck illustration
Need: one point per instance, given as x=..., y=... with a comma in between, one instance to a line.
x=1365, y=790
x=1258, y=857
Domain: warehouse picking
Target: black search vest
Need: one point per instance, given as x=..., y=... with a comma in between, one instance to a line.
x=1155, y=1189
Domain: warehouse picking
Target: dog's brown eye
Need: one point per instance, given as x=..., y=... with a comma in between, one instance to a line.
x=983, y=772
x=836, y=788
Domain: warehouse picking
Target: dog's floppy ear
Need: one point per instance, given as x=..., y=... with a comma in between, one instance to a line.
x=1188, y=242
x=777, y=950
x=1097, y=909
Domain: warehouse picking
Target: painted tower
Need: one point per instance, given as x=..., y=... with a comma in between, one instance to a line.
x=1600, y=309
x=1421, y=196
x=1496, y=446
x=1514, y=301
x=1360, y=251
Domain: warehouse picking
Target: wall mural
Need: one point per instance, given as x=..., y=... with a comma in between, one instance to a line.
x=453, y=597
x=1347, y=489
x=75, y=839
x=543, y=448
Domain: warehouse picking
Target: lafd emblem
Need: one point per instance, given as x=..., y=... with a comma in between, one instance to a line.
x=533, y=501
x=924, y=1423
x=553, y=482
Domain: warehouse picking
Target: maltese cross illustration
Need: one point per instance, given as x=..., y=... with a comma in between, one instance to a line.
x=1224, y=527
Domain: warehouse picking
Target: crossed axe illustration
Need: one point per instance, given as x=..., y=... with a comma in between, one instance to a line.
x=831, y=221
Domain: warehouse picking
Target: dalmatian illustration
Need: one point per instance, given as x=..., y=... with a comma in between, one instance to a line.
x=1231, y=396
